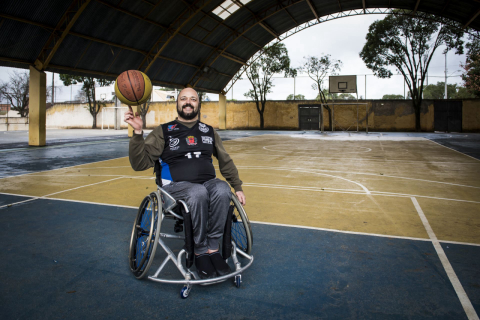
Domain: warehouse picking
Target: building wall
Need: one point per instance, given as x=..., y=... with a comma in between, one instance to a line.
x=383, y=115
x=471, y=116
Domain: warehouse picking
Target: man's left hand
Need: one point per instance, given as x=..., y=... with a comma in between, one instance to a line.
x=241, y=197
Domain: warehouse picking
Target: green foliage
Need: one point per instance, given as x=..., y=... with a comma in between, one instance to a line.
x=471, y=75
x=407, y=44
x=346, y=96
x=317, y=69
x=326, y=95
x=274, y=60
x=88, y=89
x=392, y=97
x=437, y=91
x=297, y=97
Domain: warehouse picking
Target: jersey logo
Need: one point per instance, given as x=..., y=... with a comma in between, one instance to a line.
x=203, y=127
x=207, y=140
x=172, y=127
x=174, y=143
x=191, y=141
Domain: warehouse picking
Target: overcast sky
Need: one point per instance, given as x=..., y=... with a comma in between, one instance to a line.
x=343, y=39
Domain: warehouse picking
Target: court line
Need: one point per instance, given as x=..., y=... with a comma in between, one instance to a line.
x=353, y=159
x=453, y=150
x=322, y=174
x=367, y=174
x=82, y=164
x=373, y=193
x=462, y=295
x=51, y=194
x=267, y=223
x=328, y=150
x=61, y=145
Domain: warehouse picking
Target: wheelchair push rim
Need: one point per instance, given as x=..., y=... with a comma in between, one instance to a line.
x=241, y=228
x=143, y=241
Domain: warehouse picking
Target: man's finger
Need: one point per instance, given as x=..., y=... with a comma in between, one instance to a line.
x=136, y=114
x=130, y=109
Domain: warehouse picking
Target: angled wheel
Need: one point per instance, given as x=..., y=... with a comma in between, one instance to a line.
x=146, y=230
x=241, y=229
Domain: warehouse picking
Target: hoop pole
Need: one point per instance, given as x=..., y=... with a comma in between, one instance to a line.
x=366, y=116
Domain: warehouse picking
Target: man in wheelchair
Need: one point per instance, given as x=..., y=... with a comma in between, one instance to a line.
x=184, y=149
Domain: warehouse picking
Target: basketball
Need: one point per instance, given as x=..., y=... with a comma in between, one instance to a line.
x=133, y=87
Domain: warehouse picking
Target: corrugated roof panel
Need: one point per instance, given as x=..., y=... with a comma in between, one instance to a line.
x=46, y=12
x=281, y=22
x=185, y=75
x=167, y=12
x=226, y=66
x=186, y=50
x=140, y=8
x=21, y=41
x=242, y=48
x=302, y=12
x=126, y=60
x=259, y=35
x=71, y=50
x=101, y=22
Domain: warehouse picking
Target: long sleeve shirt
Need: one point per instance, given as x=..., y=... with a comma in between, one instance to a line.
x=144, y=153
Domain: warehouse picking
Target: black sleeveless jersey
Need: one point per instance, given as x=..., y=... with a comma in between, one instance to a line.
x=187, y=155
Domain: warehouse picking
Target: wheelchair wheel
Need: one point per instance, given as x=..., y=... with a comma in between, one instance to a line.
x=146, y=230
x=241, y=229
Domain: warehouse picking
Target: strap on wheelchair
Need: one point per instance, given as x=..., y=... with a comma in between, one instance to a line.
x=157, y=169
x=227, y=235
x=189, y=243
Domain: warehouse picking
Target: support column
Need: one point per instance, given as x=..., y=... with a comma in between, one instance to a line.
x=37, y=108
x=130, y=129
x=222, y=111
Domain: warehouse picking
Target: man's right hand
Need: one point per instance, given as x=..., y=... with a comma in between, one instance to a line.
x=134, y=120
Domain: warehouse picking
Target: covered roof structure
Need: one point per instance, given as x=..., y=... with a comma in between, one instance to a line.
x=178, y=43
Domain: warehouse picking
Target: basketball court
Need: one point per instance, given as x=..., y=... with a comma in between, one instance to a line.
x=345, y=225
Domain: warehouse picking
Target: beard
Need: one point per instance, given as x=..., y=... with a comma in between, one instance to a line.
x=188, y=116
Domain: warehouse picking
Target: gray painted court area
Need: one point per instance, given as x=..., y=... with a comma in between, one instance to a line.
x=64, y=259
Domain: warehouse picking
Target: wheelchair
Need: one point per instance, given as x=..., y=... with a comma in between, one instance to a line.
x=147, y=235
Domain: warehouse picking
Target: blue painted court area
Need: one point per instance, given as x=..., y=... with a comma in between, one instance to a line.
x=63, y=260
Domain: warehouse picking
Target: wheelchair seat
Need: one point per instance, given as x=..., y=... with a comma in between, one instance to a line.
x=146, y=236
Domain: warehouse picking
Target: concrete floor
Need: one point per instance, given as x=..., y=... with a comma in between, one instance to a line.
x=345, y=225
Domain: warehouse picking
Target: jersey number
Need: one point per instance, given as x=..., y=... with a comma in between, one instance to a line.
x=197, y=155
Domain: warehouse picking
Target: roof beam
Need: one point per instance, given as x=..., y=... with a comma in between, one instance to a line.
x=314, y=11
x=108, y=43
x=262, y=24
x=416, y=7
x=340, y=5
x=471, y=19
x=101, y=74
x=58, y=35
x=281, y=5
x=364, y=6
x=173, y=30
x=248, y=25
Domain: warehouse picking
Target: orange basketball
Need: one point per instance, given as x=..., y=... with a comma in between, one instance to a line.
x=133, y=87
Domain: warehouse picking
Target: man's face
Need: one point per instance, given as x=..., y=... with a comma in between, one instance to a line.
x=187, y=104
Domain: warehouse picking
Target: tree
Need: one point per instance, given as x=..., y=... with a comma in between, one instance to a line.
x=297, y=97
x=317, y=69
x=88, y=90
x=471, y=75
x=274, y=60
x=437, y=91
x=143, y=109
x=346, y=96
x=392, y=97
x=16, y=92
x=407, y=43
x=327, y=95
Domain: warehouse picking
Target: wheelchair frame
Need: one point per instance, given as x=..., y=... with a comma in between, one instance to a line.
x=162, y=206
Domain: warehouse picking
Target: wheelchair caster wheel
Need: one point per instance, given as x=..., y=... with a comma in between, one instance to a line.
x=238, y=280
x=185, y=292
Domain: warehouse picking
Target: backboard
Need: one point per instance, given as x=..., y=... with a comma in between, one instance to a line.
x=341, y=84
